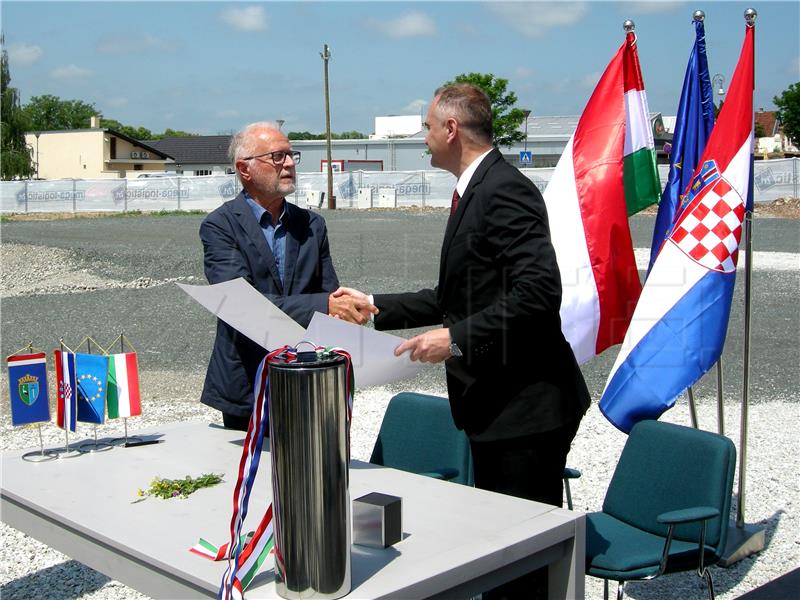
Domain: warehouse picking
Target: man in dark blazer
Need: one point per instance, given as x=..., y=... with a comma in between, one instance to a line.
x=512, y=379
x=280, y=249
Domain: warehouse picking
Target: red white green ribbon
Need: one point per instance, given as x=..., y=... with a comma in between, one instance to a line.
x=246, y=553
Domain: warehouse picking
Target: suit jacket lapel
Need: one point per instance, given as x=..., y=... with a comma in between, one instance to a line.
x=454, y=221
x=253, y=231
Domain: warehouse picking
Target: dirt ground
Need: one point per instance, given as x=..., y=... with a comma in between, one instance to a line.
x=784, y=208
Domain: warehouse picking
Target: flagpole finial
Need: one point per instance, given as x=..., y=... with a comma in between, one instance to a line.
x=699, y=15
x=750, y=16
x=628, y=25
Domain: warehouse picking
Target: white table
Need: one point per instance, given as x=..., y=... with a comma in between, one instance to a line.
x=457, y=541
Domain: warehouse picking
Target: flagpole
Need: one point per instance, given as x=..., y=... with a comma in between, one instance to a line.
x=745, y=540
x=125, y=441
x=720, y=400
x=42, y=455
x=67, y=452
x=692, y=406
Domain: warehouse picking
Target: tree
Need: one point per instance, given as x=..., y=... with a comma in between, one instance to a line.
x=505, y=118
x=137, y=133
x=788, y=104
x=307, y=135
x=51, y=113
x=15, y=158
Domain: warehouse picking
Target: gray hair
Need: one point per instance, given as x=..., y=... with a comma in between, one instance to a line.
x=471, y=107
x=241, y=142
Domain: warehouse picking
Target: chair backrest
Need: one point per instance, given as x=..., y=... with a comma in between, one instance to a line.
x=418, y=435
x=667, y=467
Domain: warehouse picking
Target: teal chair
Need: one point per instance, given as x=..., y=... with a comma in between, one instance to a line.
x=418, y=435
x=667, y=506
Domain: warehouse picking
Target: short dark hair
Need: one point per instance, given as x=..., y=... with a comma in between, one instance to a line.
x=470, y=106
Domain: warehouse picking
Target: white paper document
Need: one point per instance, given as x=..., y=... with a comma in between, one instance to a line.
x=372, y=351
x=245, y=309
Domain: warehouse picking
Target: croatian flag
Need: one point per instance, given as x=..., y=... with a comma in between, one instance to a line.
x=606, y=172
x=693, y=126
x=678, y=329
x=66, y=382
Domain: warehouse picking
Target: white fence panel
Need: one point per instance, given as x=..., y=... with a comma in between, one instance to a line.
x=773, y=179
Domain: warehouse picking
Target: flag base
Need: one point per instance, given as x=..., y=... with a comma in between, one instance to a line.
x=39, y=456
x=742, y=542
x=94, y=446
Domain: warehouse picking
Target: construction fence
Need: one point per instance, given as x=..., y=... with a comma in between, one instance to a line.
x=356, y=189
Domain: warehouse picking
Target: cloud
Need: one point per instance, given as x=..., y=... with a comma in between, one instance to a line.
x=523, y=72
x=590, y=80
x=648, y=7
x=129, y=43
x=24, y=54
x=249, y=18
x=411, y=24
x=71, y=72
x=414, y=106
x=533, y=20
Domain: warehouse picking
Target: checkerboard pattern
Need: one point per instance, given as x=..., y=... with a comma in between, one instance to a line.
x=710, y=229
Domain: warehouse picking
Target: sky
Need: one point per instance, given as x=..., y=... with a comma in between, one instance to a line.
x=211, y=67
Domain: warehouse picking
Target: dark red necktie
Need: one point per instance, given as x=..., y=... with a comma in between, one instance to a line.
x=454, y=203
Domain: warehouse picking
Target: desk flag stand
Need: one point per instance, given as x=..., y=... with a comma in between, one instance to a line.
x=40, y=455
x=125, y=441
x=94, y=445
x=66, y=405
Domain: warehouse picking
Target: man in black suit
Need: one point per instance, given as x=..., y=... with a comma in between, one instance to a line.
x=512, y=379
x=282, y=250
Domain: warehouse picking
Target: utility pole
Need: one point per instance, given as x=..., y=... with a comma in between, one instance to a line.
x=326, y=56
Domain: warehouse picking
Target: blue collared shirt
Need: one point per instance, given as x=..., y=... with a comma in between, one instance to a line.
x=274, y=234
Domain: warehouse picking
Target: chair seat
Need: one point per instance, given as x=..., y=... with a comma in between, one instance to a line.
x=635, y=554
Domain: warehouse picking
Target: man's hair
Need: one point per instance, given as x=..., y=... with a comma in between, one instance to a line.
x=242, y=144
x=470, y=106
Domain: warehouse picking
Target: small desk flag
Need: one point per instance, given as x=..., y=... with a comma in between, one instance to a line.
x=67, y=390
x=92, y=374
x=27, y=386
x=123, y=386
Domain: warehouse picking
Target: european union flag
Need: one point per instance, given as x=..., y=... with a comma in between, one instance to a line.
x=27, y=387
x=92, y=377
x=693, y=126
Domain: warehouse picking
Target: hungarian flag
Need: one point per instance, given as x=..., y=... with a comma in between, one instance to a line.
x=123, y=386
x=27, y=387
x=92, y=373
x=606, y=173
x=679, y=327
x=66, y=382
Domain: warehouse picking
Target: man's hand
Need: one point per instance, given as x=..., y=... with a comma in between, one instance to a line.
x=353, y=307
x=432, y=346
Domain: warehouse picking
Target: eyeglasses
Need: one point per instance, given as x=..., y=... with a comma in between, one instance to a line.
x=278, y=157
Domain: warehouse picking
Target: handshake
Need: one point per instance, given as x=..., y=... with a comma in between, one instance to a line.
x=351, y=305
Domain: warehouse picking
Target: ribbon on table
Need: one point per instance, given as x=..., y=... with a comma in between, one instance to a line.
x=246, y=553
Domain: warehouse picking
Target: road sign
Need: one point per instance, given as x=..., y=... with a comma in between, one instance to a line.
x=525, y=157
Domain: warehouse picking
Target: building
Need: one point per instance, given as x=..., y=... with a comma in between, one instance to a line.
x=94, y=153
x=197, y=155
x=547, y=136
x=771, y=141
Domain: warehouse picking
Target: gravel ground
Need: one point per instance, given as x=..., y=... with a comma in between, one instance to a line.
x=29, y=569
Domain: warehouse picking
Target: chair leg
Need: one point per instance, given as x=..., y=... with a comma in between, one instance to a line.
x=706, y=574
x=605, y=589
x=620, y=589
x=569, y=494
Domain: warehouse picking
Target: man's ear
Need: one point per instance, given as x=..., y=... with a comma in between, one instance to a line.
x=451, y=125
x=243, y=167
